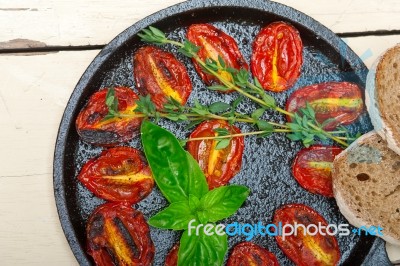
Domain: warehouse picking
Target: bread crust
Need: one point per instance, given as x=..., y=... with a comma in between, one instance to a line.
x=349, y=196
x=376, y=107
x=393, y=253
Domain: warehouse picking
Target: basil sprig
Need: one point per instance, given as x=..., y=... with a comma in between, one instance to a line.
x=184, y=185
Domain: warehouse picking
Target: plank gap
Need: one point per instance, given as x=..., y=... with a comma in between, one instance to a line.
x=51, y=49
x=369, y=33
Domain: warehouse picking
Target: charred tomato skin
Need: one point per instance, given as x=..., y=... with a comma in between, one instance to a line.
x=92, y=127
x=277, y=56
x=131, y=245
x=172, y=257
x=159, y=74
x=213, y=42
x=249, y=254
x=317, y=250
x=219, y=166
x=340, y=101
x=312, y=168
x=118, y=174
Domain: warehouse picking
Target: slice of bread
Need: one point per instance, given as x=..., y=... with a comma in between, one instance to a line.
x=366, y=185
x=382, y=97
x=393, y=253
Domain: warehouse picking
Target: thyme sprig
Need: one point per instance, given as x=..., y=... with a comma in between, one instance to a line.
x=196, y=114
x=112, y=103
x=304, y=126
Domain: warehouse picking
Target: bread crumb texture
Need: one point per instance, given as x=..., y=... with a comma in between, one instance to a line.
x=367, y=178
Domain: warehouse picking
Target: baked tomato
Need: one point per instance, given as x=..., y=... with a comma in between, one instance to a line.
x=218, y=165
x=172, y=257
x=159, y=74
x=312, y=168
x=335, y=103
x=118, y=174
x=93, y=128
x=304, y=248
x=119, y=235
x=249, y=254
x=213, y=44
x=277, y=56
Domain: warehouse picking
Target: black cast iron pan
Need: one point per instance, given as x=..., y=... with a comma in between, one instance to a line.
x=266, y=163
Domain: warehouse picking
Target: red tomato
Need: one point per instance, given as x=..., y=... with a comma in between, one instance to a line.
x=119, y=235
x=92, y=127
x=219, y=166
x=172, y=257
x=340, y=102
x=118, y=174
x=306, y=249
x=249, y=254
x=277, y=56
x=312, y=168
x=213, y=43
x=161, y=75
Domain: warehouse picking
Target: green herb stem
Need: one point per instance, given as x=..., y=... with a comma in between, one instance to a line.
x=304, y=126
x=240, y=135
x=337, y=139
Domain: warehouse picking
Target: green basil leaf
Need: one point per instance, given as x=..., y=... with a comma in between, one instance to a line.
x=194, y=202
x=224, y=201
x=198, y=185
x=219, y=107
x=176, y=216
x=175, y=171
x=202, y=216
x=202, y=249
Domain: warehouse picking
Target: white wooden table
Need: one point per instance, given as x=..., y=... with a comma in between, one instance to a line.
x=45, y=46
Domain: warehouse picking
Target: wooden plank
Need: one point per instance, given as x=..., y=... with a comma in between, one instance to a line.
x=30, y=229
x=370, y=47
x=40, y=23
x=35, y=91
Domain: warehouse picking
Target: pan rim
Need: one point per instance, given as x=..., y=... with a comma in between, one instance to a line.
x=105, y=54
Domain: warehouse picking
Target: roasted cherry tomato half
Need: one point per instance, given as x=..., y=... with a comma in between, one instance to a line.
x=213, y=44
x=340, y=102
x=118, y=174
x=312, y=168
x=119, y=235
x=92, y=127
x=219, y=166
x=172, y=257
x=277, y=56
x=305, y=248
x=249, y=254
x=159, y=74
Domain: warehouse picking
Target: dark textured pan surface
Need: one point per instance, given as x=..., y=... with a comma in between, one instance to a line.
x=267, y=162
